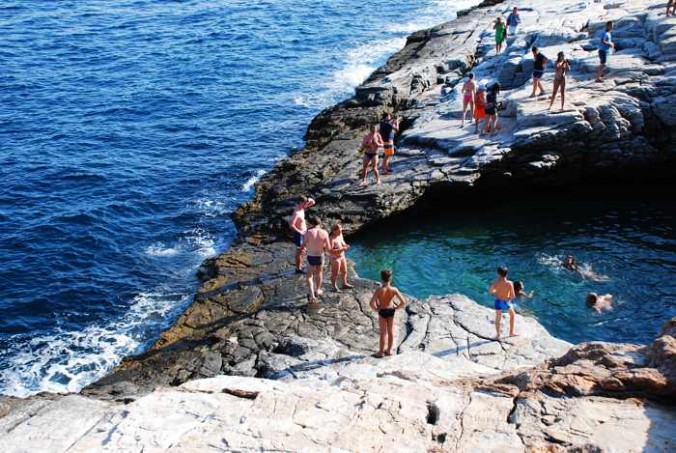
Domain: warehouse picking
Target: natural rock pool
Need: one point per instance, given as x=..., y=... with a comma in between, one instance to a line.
x=629, y=245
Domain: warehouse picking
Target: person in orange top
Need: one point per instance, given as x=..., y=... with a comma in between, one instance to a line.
x=479, y=107
x=383, y=302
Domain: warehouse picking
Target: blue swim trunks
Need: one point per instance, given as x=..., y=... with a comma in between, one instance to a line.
x=298, y=239
x=501, y=304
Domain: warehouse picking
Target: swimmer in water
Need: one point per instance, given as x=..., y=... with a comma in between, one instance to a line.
x=600, y=303
x=519, y=291
x=570, y=263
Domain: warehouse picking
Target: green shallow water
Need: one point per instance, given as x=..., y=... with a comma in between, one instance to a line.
x=632, y=244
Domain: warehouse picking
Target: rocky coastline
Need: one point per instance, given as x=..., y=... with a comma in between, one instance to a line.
x=248, y=366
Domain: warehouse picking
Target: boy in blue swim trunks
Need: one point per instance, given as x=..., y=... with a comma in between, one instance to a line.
x=503, y=290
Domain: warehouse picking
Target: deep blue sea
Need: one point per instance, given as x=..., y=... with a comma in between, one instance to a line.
x=129, y=131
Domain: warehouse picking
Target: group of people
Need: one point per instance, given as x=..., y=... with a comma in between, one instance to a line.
x=482, y=107
x=379, y=136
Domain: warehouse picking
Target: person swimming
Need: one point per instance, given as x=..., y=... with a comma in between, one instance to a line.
x=599, y=303
x=570, y=263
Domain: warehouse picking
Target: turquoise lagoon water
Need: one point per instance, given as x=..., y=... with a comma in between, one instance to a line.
x=630, y=247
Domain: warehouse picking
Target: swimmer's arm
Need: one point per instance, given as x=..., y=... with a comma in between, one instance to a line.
x=400, y=297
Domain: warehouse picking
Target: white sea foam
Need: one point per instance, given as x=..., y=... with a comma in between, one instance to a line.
x=213, y=207
x=160, y=249
x=66, y=361
x=201, y=241
x=248, y=185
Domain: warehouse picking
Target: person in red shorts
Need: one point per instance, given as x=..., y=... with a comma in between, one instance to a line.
x=479, y=107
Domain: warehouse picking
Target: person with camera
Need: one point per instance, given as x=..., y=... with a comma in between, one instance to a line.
x=492, y=107
x=561, y=67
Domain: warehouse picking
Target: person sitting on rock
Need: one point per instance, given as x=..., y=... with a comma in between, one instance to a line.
x=297, y=224
x=479, y=107
x=383, y=302
x=600, y=303
x=538, y=70
x=388, y=127
x=503, y=290
x=370, y=144
x=317, y=243
x=500, y=34
x=468, y=91
x=604, y=50
x=561, y=67
x=338, y=260
x=513, y=21
x=491, y=109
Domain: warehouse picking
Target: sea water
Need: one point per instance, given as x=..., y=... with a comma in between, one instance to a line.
x=129, y=131
x=624, y=248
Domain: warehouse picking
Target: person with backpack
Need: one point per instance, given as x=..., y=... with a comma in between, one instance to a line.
x=370, y=144
x=538, y=70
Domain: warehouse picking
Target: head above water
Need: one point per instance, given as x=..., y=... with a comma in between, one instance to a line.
x=518, y=286
x=386, y=275
x=502, y=271
x=591, y=299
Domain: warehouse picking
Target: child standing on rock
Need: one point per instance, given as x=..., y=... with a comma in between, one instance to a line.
x=383, y=302
x=503, y=290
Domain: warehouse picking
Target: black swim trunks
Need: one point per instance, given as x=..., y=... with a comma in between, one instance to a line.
x=315, y=260
x=386, y=312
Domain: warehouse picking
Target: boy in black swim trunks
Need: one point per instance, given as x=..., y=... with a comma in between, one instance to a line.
x=383, y=302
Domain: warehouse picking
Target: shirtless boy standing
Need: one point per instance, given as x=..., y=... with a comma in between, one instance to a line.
x=503, y=290
x=383, y=302
x=316, y=243
x=297, y=224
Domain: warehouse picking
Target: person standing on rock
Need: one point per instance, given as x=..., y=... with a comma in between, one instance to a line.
x=317, y=243
x=500, y=34
x=370, y=144
x=513, y=21
x=561, y=67
x=479, y=107
x=492, y=105
x=538, y=70
x=383, y=302
x=468, y=91
x=503, y=291
x=604, y=49
x=297, y=224
x=388, y=127
x=338, y=260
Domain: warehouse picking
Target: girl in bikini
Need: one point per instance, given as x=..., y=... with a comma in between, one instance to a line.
x=468, y=90
x=338, y=260
x=383, y=302
x=561, y=67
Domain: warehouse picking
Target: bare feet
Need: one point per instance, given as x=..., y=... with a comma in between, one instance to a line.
x=363, y=183
x=388, y=353
x=320, y=292
x=513, y=334
x=378, y=355
x=335, y=289
x=347, y=286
